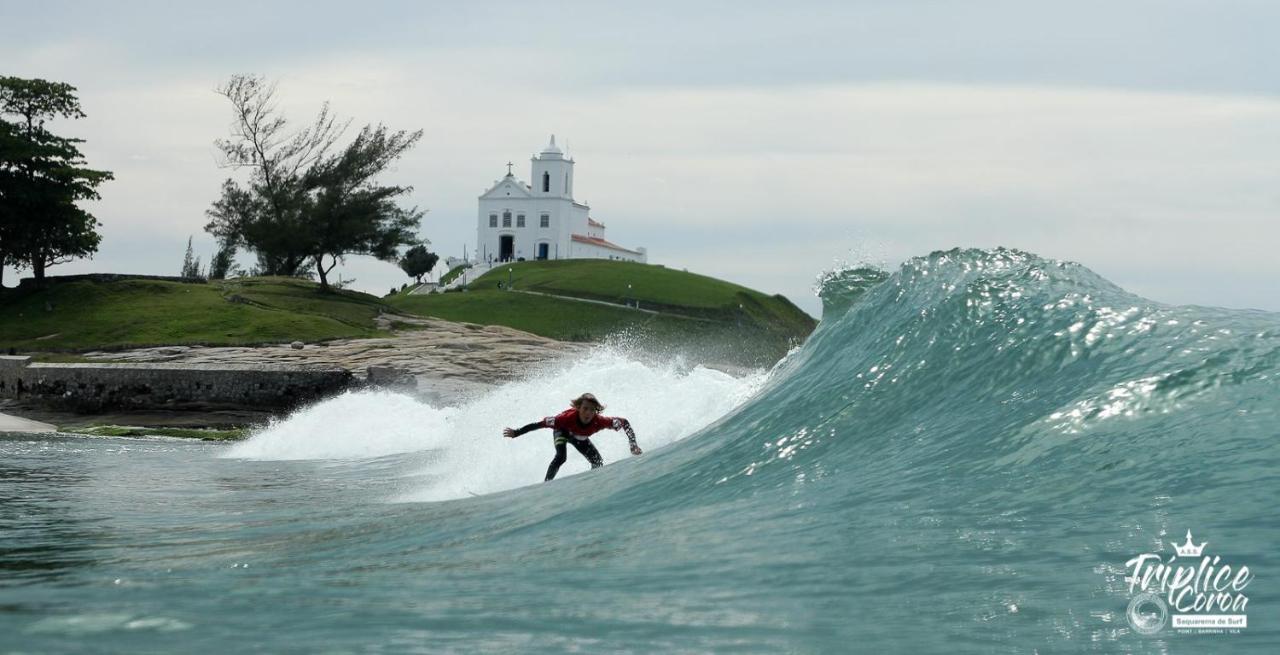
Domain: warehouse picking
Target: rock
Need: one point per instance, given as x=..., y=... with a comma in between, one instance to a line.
x=391, y=376
x=296, y=345
x=467, y=354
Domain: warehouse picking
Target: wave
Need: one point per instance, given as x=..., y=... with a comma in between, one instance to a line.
x=962, y=456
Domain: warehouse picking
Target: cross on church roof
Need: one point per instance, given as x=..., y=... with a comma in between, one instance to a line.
x=509, y=165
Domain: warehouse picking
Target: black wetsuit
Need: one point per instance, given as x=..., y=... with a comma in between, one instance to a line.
x=584, y=446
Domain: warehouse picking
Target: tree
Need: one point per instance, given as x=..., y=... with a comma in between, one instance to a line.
x=10, y=179
x=417, y=261
x=191, y=263
x=266, y=216
x=351, y=215
x=302, y=206
x=242, y=217
x=223, y=263
x=42, y=178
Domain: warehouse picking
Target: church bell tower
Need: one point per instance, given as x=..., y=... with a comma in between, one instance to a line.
x=552, y=173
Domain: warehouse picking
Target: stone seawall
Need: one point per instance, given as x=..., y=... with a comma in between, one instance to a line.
x=114, y=387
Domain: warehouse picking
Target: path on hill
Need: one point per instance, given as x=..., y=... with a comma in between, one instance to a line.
x=651, y=312
x=595, y=302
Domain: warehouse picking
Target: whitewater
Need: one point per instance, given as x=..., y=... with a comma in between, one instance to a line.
x=962, y=457
x=462, y=444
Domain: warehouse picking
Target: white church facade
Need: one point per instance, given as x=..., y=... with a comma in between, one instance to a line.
x=541, y=220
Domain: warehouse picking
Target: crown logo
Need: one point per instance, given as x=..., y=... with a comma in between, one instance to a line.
x=1189, y=549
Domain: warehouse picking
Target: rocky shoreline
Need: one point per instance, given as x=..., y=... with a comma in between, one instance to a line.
x=430, y=349
x=448, y=361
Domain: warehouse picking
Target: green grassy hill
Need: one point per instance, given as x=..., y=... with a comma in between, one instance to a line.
x=699, y=314
x=708, y=318
x=88, y=314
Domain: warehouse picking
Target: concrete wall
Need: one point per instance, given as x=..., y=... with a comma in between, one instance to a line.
x=110, y=387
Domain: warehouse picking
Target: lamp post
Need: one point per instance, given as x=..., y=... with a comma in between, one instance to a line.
x=508, y=279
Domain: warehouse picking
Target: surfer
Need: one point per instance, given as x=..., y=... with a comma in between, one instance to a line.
x=576, y=425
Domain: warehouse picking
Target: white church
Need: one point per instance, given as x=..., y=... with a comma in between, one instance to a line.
x=542, y=220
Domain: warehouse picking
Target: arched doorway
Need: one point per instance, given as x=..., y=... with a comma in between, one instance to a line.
x=506, y=247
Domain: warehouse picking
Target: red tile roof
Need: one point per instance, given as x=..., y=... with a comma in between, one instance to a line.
x=593, y=222
x=596, y=241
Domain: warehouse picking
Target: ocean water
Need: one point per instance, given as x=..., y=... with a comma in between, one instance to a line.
x=964, y=457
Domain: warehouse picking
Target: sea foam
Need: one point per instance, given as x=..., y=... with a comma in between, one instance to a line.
x=664, y=403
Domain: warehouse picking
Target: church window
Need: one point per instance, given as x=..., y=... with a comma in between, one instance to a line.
x=519, y=220
x=506, y=219
x=546, y=182
x=544, y=220
x=493, y=220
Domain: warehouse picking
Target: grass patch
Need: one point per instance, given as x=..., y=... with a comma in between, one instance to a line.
x=603, y=279
x=653, y=287
x=82, y=314
x=304, y=297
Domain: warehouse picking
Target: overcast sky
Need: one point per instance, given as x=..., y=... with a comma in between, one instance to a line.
x=762, y=143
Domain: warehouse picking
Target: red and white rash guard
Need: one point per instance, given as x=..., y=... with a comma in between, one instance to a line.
x=567, y=422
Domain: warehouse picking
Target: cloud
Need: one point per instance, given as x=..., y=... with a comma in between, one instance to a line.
x=765, y=185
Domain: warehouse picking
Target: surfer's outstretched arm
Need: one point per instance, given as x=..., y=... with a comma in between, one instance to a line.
x=625, y=425
x=512, y=434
